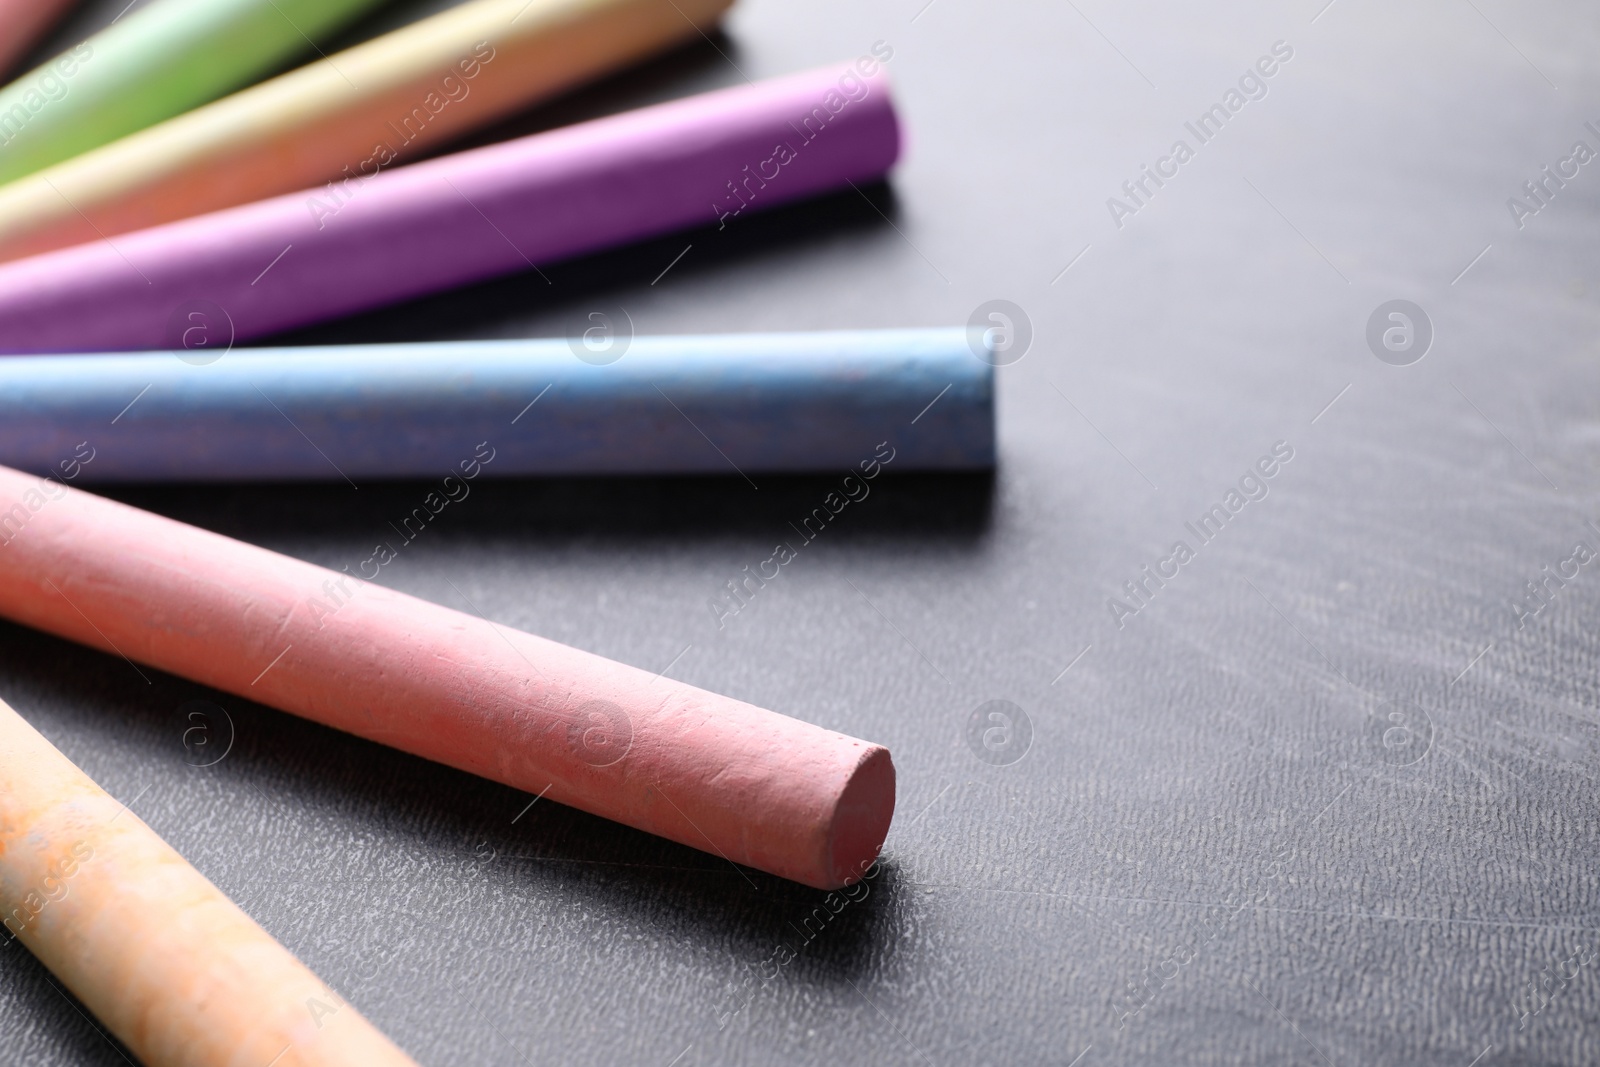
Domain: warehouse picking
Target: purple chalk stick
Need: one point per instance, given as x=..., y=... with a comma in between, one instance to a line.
x=322, y=253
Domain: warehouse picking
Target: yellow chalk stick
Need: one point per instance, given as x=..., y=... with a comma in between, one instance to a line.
x=168, y=963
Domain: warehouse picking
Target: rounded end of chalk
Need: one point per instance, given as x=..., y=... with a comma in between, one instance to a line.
x=861, y=819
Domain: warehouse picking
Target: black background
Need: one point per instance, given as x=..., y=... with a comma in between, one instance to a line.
x=1208, y=810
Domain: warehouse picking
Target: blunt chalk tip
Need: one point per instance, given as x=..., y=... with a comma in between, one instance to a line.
x=751, y=785
x=861, y=819
x=780, y=403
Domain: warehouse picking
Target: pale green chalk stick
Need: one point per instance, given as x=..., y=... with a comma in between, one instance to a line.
x=156, y=62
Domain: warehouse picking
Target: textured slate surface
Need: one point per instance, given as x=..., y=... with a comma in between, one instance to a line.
x=1321, y=800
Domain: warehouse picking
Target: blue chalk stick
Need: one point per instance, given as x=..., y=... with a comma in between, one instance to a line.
x=729, y=404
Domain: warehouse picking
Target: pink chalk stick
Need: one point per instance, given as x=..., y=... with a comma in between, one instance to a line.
x=315, y=255
x=22, y=23
x=707, y=771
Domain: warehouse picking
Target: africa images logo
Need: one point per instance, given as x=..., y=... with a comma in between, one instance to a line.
x=1252, y=85
x=999, y=732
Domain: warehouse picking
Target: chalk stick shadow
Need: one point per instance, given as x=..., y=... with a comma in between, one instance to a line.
x=952, y=510
x=479, y=841
x=555, y=297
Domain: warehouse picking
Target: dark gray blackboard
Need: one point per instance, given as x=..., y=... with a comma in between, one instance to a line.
x=1325, y=798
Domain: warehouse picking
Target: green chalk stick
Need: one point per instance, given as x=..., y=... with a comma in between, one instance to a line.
x=152, y=64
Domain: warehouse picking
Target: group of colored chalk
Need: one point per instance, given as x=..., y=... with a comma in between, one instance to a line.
x=160, y=204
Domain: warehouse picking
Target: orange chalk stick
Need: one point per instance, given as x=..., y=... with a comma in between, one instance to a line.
x=750, y=785
x=344, y=118
x=168, y=963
